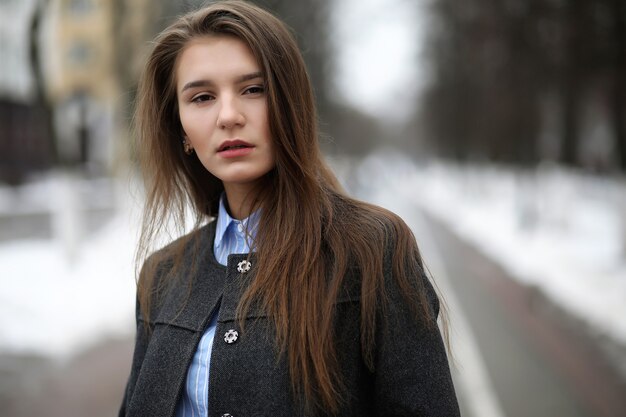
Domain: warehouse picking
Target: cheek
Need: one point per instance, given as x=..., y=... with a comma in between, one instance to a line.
x=195, y=127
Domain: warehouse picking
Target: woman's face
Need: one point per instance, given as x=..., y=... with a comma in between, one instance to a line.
x=223, y=109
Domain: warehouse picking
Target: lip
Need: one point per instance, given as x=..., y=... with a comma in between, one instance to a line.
x=234, y=148
x=229, y=145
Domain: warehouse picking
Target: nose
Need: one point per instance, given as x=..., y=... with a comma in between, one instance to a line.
x=230, y=114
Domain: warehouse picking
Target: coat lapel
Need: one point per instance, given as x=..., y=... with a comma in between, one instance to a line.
x=178, y=328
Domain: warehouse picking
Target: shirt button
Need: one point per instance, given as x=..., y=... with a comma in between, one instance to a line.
x=244, y=266
x=227, y=415
x=231, y=336
x=240, y=227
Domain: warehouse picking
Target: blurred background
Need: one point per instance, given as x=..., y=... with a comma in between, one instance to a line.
x=497, y=130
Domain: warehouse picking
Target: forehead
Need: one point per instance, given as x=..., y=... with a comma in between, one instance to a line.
x=217, y=57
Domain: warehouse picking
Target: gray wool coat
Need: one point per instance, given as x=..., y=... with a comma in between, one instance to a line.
x=248, y=379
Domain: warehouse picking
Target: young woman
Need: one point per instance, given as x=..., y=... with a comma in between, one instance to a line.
x=289, y=298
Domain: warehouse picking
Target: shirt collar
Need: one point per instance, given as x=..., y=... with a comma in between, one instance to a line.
x=224, y=220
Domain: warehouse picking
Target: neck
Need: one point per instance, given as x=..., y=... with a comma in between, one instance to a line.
x=240, y=200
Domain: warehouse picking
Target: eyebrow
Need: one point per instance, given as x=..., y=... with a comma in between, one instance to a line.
x=240, y=79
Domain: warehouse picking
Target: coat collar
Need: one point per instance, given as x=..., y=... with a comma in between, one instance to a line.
x=202, y=284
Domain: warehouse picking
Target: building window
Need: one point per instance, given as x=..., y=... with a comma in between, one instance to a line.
x=80, y=7
x=79, y=53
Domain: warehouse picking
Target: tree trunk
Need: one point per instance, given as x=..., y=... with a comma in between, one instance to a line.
x=40, y=94
x=618, y=102
x=572, y=80
x=570, y=125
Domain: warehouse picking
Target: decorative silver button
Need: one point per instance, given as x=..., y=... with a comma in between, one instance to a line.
x=244, y=266
x=231, y=336
x=227, y=415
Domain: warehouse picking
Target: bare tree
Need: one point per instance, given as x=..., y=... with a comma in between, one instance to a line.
x=43, y=105
x=618, y=102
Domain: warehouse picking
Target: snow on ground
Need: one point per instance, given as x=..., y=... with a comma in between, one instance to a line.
x=56, y=300
x=558, y=230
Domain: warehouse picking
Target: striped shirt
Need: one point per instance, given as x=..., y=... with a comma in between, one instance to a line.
x=231, y=236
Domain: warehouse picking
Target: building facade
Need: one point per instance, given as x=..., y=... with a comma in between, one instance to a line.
x=66, y=68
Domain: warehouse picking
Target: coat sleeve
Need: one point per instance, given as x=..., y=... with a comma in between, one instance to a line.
x=141, y=343
x=412, y=374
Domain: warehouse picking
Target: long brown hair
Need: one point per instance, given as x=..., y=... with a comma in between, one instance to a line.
x=309, y=232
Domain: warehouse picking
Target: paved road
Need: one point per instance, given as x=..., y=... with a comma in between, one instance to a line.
x=539, y=360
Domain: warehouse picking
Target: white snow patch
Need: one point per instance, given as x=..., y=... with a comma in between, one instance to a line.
x=54, y=305
x=555, y=229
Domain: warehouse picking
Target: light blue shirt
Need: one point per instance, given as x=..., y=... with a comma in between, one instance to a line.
x=231, y=236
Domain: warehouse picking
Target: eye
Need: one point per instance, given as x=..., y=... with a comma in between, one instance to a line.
x=255, y=89
x=199, y=98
